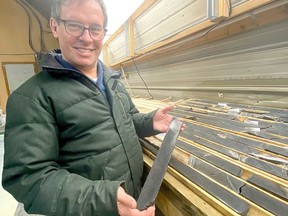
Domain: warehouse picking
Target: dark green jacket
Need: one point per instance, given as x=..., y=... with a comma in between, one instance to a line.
x=67, y=149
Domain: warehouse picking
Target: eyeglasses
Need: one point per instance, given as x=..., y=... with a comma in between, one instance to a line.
x=77, y=29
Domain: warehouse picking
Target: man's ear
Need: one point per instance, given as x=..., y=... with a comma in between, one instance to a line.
x=54, y=27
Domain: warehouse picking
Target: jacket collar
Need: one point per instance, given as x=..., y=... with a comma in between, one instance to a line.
x=51, y=65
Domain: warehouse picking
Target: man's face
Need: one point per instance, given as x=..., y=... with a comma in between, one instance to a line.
x=82, y=52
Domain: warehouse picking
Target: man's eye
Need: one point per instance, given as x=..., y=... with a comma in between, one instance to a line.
x=95, y=29
x=74, y=26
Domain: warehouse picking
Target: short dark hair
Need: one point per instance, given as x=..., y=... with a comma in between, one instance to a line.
x=57, y=4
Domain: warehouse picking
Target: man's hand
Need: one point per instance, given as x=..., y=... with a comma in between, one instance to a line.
x=162, y=120
x=127, y=205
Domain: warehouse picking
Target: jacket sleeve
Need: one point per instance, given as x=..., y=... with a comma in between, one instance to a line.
x=33, y=176
x=143, y=122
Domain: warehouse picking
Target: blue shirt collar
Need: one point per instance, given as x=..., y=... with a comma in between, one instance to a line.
x=64, y=63
x=100, y=75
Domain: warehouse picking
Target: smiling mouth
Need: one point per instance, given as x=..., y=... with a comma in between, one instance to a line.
x=85, y=50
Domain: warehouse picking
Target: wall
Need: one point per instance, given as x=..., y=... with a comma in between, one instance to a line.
x=14, y=40
x=248, y=68
x=241, y=59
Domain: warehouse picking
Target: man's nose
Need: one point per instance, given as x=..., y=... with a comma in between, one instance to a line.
x=86, y=35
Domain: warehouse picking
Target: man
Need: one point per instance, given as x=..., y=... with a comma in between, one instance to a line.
x=71, y=136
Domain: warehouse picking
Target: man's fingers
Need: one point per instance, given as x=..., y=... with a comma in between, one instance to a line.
x=126, y=199
x=151, y=211
x=183, y=126
x=127, y=205
x=167, y=108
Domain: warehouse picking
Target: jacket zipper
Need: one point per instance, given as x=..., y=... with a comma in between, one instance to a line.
x=87, y=79
x=94, y=84
x=119, y=96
